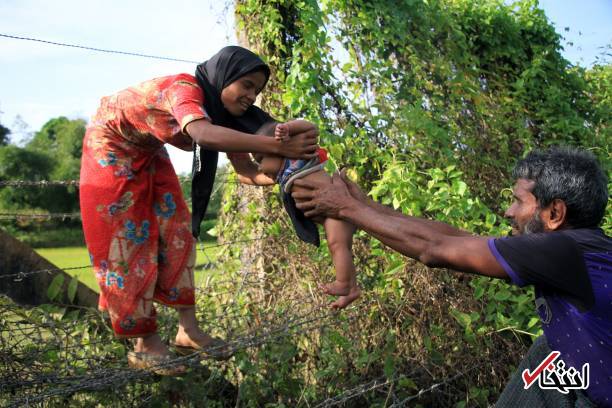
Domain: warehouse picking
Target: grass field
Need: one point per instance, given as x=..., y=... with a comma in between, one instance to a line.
x=68, y=257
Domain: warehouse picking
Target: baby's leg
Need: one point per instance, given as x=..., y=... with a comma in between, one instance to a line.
x=340, y=242
x=281, y=132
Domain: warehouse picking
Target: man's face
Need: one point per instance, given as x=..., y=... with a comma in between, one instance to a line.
x=524, y=211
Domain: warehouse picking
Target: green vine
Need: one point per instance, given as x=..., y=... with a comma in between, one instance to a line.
x=429, y=104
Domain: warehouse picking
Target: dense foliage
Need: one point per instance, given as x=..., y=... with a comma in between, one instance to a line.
x=429, y=104
x=53, y=153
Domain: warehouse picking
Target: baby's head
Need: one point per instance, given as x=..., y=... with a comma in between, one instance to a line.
x=269, y=164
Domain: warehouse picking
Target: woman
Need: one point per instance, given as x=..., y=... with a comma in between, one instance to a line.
x=135, y=220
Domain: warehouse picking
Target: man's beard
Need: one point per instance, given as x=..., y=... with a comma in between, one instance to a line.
x=534, y=225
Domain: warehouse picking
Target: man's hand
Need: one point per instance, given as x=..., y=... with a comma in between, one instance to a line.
x=327, y=200
x=353, y=188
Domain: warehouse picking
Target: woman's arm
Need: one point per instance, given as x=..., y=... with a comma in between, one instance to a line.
x=209, y=136
x=247, y=171
x=182, y=142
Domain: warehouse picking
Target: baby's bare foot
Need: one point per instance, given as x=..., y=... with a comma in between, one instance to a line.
x=344, y=301
x=337, y=288
x=281, y=132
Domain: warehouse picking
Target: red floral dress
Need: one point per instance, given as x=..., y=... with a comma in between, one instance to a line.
x=136, y=223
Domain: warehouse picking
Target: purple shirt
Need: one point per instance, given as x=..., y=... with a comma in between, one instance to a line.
x=571, y=271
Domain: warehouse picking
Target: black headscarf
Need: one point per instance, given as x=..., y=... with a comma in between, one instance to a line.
x=213, y=75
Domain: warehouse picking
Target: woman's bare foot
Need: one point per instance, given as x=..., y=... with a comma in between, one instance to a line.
x=192, y=337
x=151, y=354
x=195, y=340
x=337, y=288
x=151, y=345
x=344, y=301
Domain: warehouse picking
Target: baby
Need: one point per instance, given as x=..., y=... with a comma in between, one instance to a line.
x=339, y=233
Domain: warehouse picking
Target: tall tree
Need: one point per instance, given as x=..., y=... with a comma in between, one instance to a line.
x=54, y=153
x=17, y=163
x=62, y=138
x=4, y=135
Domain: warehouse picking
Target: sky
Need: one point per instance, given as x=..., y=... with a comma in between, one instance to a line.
x=41, y=81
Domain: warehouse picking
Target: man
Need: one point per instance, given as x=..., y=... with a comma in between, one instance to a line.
x=560, y=198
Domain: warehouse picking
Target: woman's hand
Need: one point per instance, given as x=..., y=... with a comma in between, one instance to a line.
x=303, y=140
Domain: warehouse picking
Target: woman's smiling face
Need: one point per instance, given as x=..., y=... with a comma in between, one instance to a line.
x=238, y=96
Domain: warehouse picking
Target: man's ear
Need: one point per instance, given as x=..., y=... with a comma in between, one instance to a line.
x=554, y=215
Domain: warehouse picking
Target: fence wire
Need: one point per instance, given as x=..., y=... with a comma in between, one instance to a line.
x=84, y=47
x=34, y=216
x=42, y=183
x=45, y=361
x=54, y=183
x=25, y=216
x=43, y=356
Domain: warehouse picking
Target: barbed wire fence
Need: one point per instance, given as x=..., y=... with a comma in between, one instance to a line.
x=43, y=356
x=47, y=357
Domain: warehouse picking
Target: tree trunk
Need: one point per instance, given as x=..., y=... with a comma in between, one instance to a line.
x=31, y=289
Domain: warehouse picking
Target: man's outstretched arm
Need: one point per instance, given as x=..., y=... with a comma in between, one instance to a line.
x=434, y=243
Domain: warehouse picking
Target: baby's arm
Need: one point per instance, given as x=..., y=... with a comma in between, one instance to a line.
x=247, y=170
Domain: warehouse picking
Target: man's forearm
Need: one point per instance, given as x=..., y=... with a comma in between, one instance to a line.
x=436, y=225
x=433, y=243
x=408, y=235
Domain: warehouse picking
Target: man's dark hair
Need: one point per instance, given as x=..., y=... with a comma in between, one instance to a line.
x=569, y=174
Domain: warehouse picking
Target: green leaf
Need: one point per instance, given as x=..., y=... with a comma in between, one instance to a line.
x=394, y=267
x=55, y=287
x=275, y=229
x=532, y=322
x=72, y=288
x=464, y=319
x=213, y=231
x=389, y=368
x=407, y=383
x=339, y=340
x=460, y=188
x=502, y=295
x=478, y=292
x=396, y=203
